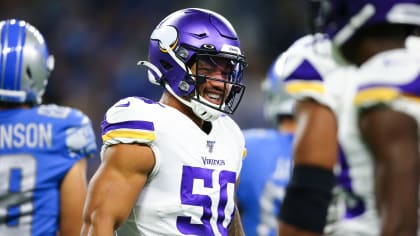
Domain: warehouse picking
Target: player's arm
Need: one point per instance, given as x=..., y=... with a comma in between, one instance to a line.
x=115, y=186
x=304, y=209
x=392, y=137
x=236, y=228
x=72, y=198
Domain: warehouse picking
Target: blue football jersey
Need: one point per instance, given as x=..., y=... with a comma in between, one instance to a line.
x=38, y=146
x=265, y=174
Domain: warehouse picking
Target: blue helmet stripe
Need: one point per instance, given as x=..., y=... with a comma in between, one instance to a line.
x=2, y=51
x=9, y=64
x=21, y=42
x=13, y=60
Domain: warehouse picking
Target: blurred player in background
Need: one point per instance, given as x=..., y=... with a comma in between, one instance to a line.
x=42, y=147
x=306, y=65
x=267, y=166
x=170, y=167
x=386, y=111
x=317, y=82
x=376, y=202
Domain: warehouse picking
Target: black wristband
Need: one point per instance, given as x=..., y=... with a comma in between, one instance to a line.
x=308, y=196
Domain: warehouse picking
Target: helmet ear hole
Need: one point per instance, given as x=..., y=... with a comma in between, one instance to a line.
x=165, y=65
x=29, y=73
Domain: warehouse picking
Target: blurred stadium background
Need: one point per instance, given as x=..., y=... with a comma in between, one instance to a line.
x=96, y=44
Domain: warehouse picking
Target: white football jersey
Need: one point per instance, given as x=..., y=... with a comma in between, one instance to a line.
x=390, y=78
x=192, y=186
x=355, y=167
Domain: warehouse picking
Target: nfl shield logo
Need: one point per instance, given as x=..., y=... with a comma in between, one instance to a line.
x=210, y=145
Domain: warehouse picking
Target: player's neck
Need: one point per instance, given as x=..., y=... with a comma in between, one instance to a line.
x=7, y=105
x=287, y=126
x=170, y=100
x=375, y=40
x=373, y=47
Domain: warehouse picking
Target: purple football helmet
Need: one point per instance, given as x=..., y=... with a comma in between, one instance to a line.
x=341, y=19
x=183, y=38
x=25, y=63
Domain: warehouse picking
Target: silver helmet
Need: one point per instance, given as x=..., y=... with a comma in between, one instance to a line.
x=25, y=63
x=277, y=102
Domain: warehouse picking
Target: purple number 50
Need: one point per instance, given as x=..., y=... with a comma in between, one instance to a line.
x=189, y=174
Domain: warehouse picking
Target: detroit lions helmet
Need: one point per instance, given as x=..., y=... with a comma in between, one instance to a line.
x=186, y=37
x=25, y=63
x=342, y=19
x=277, y=102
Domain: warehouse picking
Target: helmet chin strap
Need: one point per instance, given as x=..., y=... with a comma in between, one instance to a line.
x=203, y=111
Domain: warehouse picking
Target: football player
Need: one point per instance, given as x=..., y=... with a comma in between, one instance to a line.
x=371, y=36
x=42, y=147
x=170, y=167
x=387, y=109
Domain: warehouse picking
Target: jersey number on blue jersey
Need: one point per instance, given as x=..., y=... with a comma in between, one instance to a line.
x=16, y=194
x=189, y=174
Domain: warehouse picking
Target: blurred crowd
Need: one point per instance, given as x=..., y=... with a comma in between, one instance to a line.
x=96, y=44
